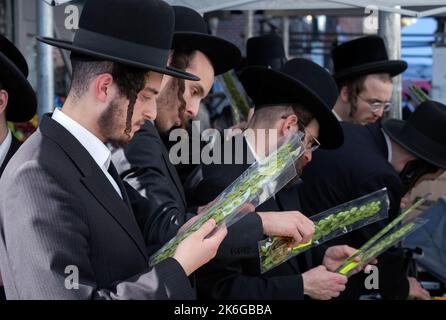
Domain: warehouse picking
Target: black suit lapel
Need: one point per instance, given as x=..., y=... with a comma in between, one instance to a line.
x=120, y=210
x=174, y=175
x=95, y=180
x=170, y=167
x=15, y=144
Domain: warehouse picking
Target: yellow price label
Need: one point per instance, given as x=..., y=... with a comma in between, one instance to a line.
x=348, y=268
x=302, y=245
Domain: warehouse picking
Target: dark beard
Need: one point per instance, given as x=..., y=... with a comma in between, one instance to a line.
x=171, y=99
x=107, y=125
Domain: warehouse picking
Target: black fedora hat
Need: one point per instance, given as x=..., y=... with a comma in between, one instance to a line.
x=363, y=56
x=192, y=33
x=132, y=32
x=266, y=50
x=22, y=103
x=424, y=134
x=299, y=81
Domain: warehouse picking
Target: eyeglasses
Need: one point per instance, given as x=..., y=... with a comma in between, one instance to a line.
x=377, y=105
x=309, y=141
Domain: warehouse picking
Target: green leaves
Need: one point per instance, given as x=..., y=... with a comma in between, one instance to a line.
x=384, y=239
x=328, y=225
x=246, y=189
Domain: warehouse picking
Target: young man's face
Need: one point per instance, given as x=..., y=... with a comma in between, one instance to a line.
x=113, y=121
x=375, y=91
x=172, y=112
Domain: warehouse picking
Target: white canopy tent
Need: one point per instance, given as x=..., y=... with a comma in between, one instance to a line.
x=413, y=8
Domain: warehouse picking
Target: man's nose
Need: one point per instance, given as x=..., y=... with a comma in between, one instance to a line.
x=192, y=109
x=151, y=111
x=379, y=112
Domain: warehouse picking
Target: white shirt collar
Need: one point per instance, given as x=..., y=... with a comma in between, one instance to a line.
x=95, y=147
x=4, y=147
x=389, y=146
x=336, y=115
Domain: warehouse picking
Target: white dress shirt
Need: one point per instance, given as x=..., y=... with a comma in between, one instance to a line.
x=336, y=115
x=389, y=146
x=4, y=147
x=98, y=150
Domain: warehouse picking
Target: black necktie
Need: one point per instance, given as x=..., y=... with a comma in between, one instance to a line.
x=114, y=173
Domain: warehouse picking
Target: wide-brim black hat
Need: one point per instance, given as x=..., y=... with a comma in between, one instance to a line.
x=191, y=33
x=266, y=50
x=22, y=102
x=424, y=134
x=132, y=32
x=364, y=56
x=302, y=82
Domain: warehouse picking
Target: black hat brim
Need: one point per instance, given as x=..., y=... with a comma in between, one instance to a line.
x=267, y=86
x=223, y=55
x=22, y=102
x=416, y=143
x=68, y=45
x=392, y=67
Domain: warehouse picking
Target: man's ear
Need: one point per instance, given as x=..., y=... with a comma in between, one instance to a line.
x=102, y=86
x=3, y=100
x=289, y=124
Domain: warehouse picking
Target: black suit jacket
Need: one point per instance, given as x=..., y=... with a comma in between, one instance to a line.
x=58, y=210
x=144, y=164
x=238, y=277
x=359, y=167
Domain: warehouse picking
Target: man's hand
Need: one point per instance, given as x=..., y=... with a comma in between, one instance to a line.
x=288, y=224
x=321, y=284
x=335, y=256
x=416, y=291
x=196, y=250
x=246, y=208
x=405, y=201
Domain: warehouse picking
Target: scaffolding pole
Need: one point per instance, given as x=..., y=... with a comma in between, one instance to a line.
x=390, y=31
x=249, y=26
x=45, y=68
x=286, y=35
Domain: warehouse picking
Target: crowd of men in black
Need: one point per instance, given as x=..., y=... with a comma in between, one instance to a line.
x=94, y=188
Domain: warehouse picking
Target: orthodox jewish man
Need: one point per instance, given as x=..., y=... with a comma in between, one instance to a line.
x=63, y=208
x=145, y=163
x=397, y=155
x=286, y=101
x=364, y=75
x=17, y=102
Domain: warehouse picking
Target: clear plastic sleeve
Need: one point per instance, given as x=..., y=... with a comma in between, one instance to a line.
x=257, y=184
x=369, y=253
x=329, y=224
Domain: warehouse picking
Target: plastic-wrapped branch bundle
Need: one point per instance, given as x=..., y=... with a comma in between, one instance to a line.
x=370, y=253
x=385, y=238
x=329, y=224
x=258, y=183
